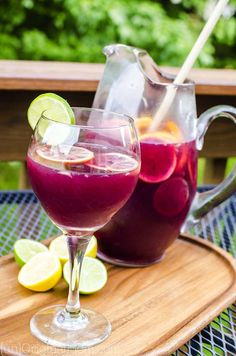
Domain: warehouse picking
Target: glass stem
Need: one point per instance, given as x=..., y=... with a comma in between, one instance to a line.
x=76, y=247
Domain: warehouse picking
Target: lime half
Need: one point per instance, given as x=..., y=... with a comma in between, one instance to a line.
x=55, y=107
x=59, y=247
x=41, y=273
x=93, y=275
x=25, y=249
x=92, y=247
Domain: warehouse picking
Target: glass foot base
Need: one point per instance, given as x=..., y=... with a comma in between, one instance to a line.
x=126, y=263
x=55, y=327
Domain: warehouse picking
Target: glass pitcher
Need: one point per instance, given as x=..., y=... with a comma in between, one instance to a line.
x=165, y=200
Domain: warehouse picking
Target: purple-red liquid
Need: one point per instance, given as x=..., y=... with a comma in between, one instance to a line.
x=151, y=219
x=78, y=196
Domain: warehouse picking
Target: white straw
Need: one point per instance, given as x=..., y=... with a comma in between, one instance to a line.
x=186, y=67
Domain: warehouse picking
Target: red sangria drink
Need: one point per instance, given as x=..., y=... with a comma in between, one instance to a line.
x=151, y=220
x=81, y=185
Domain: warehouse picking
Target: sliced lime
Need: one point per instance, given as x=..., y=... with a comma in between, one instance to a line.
x=55, y=107
x=59, y=247
x=92, y=247
x=41, y=273
x=93, y=275
x=113, y=162
x=25, y=249
x=70, y=155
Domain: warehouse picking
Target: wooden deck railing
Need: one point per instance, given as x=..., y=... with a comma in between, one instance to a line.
x=21, y=81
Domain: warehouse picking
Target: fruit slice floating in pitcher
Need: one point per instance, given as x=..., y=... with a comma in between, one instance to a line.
x=172, y=128
x=160, y=136
x=192, y=170
x=158, y=158
x=113, y=162
x=64, y=155
x=142, y=123
x=171, y=197
x=182, y=159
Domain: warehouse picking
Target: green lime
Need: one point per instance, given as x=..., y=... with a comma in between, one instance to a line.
x=41, y=273
x=93, y=275
x=56, y=108
x=59, y=247
x=25, y=249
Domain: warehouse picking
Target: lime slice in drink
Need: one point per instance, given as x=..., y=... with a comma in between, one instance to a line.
x=25, y=249
x=41, y=273
x=55, y=107
x=59, y=247
x=113, y=162
x=93, y=275
x=64, y=154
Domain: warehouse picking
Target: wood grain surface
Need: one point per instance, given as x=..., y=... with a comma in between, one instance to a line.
x=153, y=310
x=42, y=75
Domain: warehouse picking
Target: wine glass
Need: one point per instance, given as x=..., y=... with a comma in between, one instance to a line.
x=82, y=174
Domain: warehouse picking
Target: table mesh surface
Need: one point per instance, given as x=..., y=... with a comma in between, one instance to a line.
x=22, y=217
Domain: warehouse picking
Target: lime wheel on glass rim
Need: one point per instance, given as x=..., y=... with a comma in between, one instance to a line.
x=54, y=106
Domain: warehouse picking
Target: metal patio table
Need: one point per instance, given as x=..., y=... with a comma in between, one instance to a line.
x=22, y=217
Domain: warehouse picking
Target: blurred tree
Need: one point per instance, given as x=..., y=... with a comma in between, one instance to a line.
x=76, y=30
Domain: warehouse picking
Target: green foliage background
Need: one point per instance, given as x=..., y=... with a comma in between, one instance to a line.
x=76, y=30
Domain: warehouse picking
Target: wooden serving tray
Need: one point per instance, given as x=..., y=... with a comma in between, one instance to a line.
x=153, y=310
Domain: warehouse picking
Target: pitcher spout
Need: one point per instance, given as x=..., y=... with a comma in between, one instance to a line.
x=133, y=84
x=118, y=49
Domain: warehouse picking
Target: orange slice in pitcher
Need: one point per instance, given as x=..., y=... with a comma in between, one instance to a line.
x=143, y=123
x=174, y=130
x=113, y=162
x=158, y=162
x=161, y=136
x=158, y=159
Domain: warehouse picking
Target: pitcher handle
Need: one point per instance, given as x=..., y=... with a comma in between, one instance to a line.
x=204, y=202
